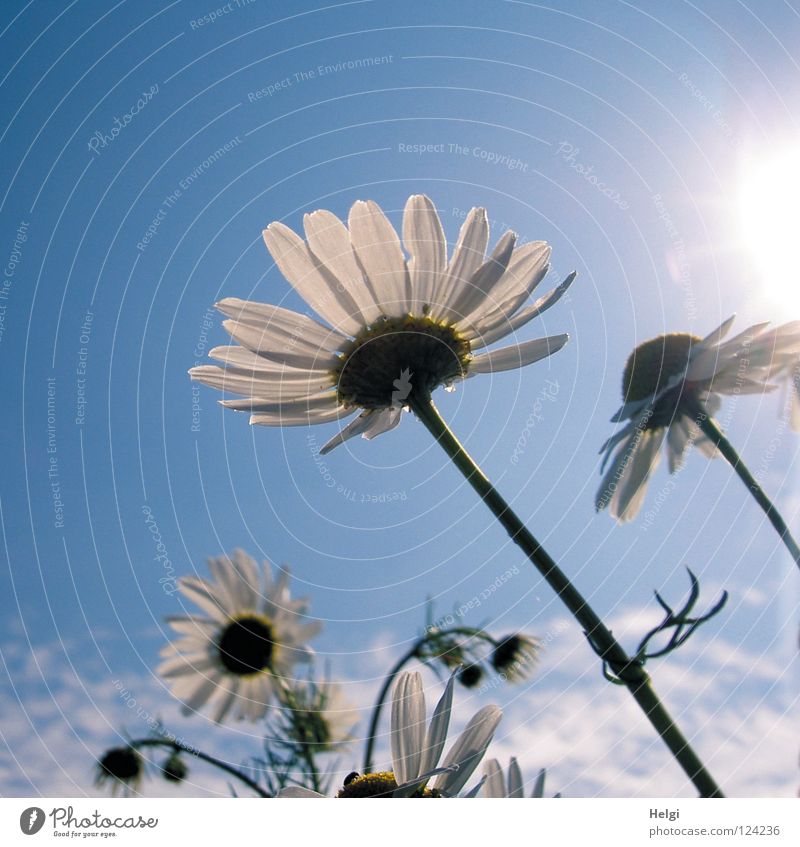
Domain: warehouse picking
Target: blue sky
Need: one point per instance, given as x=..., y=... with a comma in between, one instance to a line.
x=146, y=147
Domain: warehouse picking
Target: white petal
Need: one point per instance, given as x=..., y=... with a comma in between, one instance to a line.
x=538, y=787
x=298, y=791
x=467, y=258
x=378, y=251
x=484, y=336
x=244, y=579
x=204, y=691
x=283, y=322
x=206, y=597
x=408, y=726
x=355, y=427
x=517, y=356
x=495, y=784
x=384, y=421
x=255, y=383
x=313, y=282
x=475, y=295
x=297, y=418
x=436, y=735
x=515, y=780
x=677, y=442
x=243, y=359
x=720, y=332
x=294, y=352
x=468, y=750
x=424, y=240
x=329, y=240
x=323, y=401
x=633, y=485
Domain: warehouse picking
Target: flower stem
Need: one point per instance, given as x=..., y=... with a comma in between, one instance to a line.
x=611, y=651
x=709, y=428
x=177, y=746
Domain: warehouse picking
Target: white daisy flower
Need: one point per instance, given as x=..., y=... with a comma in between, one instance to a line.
x=668, y=381
x=396, y=321
x=789, y=372
x=235, y=660
x=416, y=750
x=497, y=784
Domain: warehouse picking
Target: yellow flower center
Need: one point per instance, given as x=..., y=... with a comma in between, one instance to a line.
x=653, y=363
x=381, y=784
x=389, y=359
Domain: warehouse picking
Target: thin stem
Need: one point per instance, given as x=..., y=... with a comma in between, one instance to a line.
x=198, y=754
x=709, y=428
x=626, y=669
x=382, y=695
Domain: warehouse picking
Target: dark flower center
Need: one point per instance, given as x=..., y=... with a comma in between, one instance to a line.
x=246, y=645
x=470, y=675
x=388, y=360
x=380, y=784
x=122, y=763
x=653, y=363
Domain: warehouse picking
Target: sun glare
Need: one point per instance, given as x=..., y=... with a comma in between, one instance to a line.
x=768, y=208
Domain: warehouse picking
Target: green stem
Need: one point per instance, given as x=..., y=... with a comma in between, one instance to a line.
x=626, y=669
x=709, y=428
x=177, y=746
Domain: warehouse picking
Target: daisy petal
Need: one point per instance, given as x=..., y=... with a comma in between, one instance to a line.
x=436, y=735
x=378, y=251
x=329, y=241
x=495, y=784
x=515, y=780
x=509, y=358
x=408, y=727
x=633, y=485
x=424, y=240
x=475, y=294
x=468, y=750
x=467, y=258
x=355, y=427
x=312, y=281
x=384, y=421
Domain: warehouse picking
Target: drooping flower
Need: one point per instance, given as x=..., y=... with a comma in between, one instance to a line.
x=396, y=322
x=236, y=659
x=515, y=655
x=416, y=750
x=668, y=382
x=122, y=768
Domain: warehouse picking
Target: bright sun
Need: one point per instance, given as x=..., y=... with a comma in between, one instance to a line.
x=769, y=202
